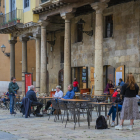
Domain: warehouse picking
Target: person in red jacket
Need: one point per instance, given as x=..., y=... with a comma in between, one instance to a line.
x=75, y=85
x=116, y=92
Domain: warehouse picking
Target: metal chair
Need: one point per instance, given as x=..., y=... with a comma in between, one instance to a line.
x=63, y=106
x=55, y=106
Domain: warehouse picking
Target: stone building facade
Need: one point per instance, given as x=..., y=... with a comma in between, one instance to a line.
x=101, y=36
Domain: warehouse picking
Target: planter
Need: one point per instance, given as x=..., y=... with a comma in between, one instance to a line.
x=18, y=21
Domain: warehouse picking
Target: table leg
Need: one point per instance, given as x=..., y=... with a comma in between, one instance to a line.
x=99, y=109
x=117, y=113
x=105, y=110
x=88, y=118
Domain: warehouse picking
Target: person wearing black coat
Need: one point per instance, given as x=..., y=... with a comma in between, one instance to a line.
x=113, y=108
x=32, y=96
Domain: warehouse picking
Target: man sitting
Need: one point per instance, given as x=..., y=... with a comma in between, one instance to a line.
x=32, y=96
x=58, y=94
x=70, y=94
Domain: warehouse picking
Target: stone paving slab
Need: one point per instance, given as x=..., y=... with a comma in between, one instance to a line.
x=34, y=128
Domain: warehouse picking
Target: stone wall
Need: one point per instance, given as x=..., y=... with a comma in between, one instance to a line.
x=121, y=49
x=54, y=65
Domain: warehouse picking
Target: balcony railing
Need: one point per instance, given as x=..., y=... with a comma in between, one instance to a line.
x=44, y=2
x=11, y=18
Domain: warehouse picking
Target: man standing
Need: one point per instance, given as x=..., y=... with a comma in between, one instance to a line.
x=32, y=96
x=13, y=87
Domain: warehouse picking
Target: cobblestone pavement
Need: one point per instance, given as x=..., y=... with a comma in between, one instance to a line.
x=33, y=128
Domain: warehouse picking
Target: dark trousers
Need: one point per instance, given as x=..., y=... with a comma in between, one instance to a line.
x=39, y=106
x=48, y=105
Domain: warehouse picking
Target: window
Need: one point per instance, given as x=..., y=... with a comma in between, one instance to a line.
x=108, y=26
x=62, y=49
x=79, y=32
x=26, y=3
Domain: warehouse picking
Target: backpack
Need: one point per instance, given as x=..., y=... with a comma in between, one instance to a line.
x=101, y=123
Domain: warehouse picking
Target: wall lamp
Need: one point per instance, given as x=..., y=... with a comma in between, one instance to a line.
x=90, y=33
x=3, y=48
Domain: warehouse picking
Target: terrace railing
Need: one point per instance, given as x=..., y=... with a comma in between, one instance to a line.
x=11, y=18
x=42, y=1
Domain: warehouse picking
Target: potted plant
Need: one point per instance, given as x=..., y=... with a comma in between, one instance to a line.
x=18, y=20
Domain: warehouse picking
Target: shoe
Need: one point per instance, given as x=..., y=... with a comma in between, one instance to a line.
x=3, y=104
x=14, y=113
x=106, y=117
x=118, y=127
x=113, y=124
x=39, y=115
x=130, y=127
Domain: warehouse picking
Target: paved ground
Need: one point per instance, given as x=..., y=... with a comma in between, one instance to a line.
x=19, y=128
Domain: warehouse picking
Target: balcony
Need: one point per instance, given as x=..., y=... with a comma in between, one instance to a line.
x=11, y=19
x=44, y=3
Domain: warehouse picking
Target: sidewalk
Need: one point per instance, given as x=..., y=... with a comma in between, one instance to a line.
x=19, y=128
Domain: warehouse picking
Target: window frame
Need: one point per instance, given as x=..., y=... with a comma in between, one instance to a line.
x=26, y=9
x=26, y=2
x=79, y=39
x=105, y=26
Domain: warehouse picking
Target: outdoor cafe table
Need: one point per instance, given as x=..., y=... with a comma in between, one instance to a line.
x=75, y=100
x=105, y=104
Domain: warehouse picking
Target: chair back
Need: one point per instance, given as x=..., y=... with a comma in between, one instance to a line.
x=55, y=104
x=62, y=105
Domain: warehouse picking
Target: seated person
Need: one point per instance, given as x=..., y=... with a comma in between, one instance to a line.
x=113, y=108
x=58, y=94
x=6, y=98
x=108, y=86
x=32, y=96
x=121, y=82
x=116, y=92
x=70, y=94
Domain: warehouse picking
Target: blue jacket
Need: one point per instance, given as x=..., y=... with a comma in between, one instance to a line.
x=69, y=95
x=26, y=107
x=121, y=84
x=31, y=95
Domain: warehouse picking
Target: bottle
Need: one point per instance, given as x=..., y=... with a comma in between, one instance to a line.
x=108, y=100
x=37, y=94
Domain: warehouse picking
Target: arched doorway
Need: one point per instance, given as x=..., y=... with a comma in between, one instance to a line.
x=61, y=78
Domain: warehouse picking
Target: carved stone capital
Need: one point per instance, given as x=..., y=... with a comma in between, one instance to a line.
x=100, y=6
x=67, y=16
x=43, y=23
x=36, y=35
x=24, y=39
x=12, y=41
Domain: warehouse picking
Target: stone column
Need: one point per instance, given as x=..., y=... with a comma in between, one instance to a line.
x=24, y=62
x=43, y=82
x=67, y=51
x=12, y=58
x=38, y=46
x=99, y=7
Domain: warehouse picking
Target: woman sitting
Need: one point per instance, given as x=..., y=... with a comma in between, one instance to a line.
x=108, y=86
x=113, y=108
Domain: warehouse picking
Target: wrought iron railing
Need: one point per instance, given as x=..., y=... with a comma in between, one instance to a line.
x=43, y=1
x=12, y=18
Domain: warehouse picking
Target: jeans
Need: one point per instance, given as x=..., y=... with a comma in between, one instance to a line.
x=12, y=97
x=113, y=111
x=4, y=100
x=75, y=89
